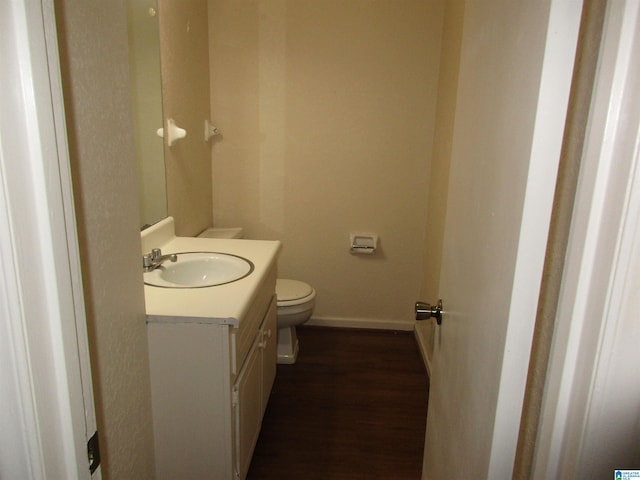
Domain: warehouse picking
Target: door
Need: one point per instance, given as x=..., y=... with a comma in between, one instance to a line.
x=47, y=413
x=513, y=86
x=269, y=346
x=247, y=393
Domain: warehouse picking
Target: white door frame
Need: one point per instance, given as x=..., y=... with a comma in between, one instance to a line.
x=46, y=399
x=590, y=406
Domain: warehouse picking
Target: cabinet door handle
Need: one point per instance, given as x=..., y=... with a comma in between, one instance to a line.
x=266, y=334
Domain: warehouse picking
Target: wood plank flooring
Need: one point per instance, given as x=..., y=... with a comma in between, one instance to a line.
x=353, y=407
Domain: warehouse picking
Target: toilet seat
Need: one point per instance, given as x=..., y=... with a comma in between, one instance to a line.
x=293, y=292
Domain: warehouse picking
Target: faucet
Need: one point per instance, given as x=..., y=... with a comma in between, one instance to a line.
x=153, y=260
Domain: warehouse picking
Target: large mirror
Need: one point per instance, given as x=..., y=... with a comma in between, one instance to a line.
x=144, y=58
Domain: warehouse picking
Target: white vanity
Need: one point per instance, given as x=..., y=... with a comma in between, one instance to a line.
x=213, y=360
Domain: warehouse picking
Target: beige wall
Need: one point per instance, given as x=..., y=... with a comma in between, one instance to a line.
x=443, y=137
x=439, y=178
x=327, y=115
x=185, y=93
x=93, y=43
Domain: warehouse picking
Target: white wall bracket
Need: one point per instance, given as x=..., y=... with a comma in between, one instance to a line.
x=173, y=132
x=209, y=131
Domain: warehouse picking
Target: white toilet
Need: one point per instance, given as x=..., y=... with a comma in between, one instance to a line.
x=296, y=300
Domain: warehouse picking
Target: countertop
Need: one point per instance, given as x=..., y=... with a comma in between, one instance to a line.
x=221, y=304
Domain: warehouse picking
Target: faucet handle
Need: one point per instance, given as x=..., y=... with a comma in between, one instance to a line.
x=156, y=253
x=146, y=260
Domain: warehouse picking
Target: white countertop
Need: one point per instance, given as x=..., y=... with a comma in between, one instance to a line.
x=222, y=304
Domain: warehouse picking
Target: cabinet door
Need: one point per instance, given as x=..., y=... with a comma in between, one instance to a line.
x=269, y=346
x=248, y=409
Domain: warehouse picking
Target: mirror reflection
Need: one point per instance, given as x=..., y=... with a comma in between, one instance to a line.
x=146, y=88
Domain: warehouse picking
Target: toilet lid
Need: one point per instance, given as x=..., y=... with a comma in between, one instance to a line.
x=291, y=290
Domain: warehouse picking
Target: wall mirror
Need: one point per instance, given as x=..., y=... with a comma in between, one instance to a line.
x=146, y=100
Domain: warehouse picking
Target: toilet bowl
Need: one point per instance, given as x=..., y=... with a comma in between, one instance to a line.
x=296, y=300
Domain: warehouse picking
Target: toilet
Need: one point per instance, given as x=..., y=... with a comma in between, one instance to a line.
x=296, y=300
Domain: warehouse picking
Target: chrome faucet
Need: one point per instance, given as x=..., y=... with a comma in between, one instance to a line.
x=153, y=260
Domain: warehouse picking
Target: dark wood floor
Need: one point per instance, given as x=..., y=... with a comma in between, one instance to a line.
x=353, y=407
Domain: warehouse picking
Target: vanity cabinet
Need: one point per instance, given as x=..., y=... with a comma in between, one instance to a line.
x=210, y=383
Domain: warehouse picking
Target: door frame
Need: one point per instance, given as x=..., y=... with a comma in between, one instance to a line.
x=593, y=320
x=551, y=113
x=47, y=397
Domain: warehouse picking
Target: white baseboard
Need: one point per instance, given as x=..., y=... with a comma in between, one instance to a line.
x=369, y=323
x=423, y=346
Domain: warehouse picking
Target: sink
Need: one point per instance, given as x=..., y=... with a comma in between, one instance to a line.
x=198, y=270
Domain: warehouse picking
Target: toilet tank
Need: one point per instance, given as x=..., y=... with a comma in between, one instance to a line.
x=230, y=232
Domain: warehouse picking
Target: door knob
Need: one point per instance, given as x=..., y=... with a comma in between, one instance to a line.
x=424, y=311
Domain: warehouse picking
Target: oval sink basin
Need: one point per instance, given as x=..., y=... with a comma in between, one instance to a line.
x=199, y=269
